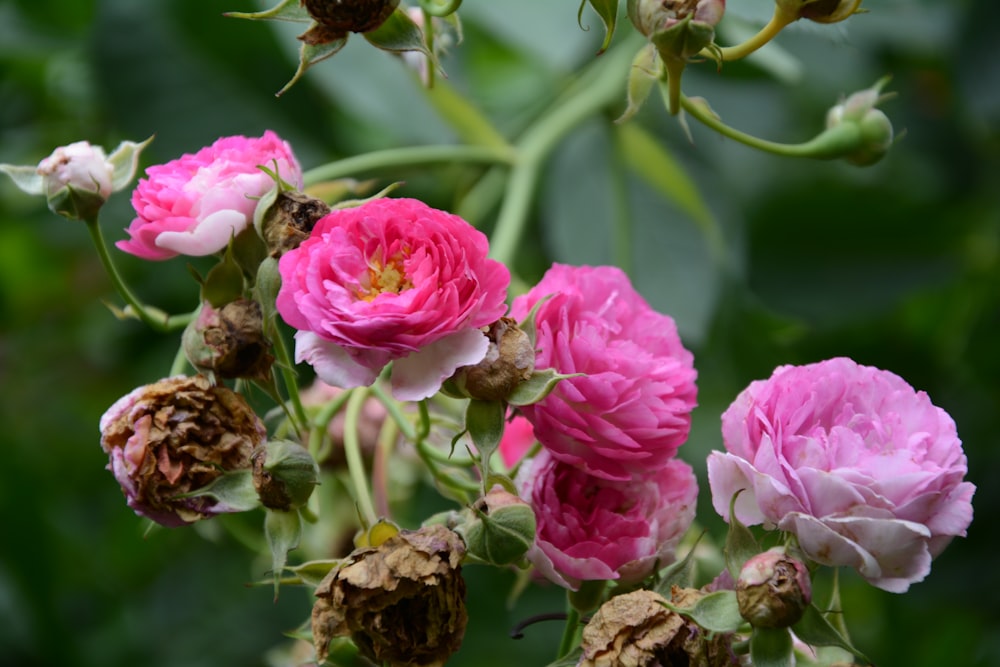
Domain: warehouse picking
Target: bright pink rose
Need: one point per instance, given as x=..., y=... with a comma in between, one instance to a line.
x=518, y=437
x=864, y=470
x=391, y=280
x=193, y=205
x=590, y=528
x=632, y=409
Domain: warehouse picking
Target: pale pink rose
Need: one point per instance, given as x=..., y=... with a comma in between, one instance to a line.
x=590, y=528
x=518, y=437
x=193, y=205
x=391, y=280
x=632, y=409
x=864, y=470
x=78, y=165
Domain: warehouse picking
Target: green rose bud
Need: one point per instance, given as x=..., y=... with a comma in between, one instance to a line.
x=499, y=529
x=284, y=475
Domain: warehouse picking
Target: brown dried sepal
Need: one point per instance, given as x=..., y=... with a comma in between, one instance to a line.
x=236, y=346
x=176, y=436
x=290, y=220
x=335, y=18
x=402, y=603
x=636, y=630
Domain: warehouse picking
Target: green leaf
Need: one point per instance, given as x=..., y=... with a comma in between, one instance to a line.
x=286, y=10
x=538, y=386
x=283, y=530
x=313, y=572
x=716, y=612
x=741, y=545
x=771, y=647
x=234, y=489
x=679, y=573
x=608, y=11
x=814, y=629
x=484, y=421
x=468, y=122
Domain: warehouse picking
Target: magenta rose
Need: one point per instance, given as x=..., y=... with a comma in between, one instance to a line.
x=632, y=409
x=193, y=205
x=865, y=471
x=590, y=528
x=391, y=280
x=518, y=437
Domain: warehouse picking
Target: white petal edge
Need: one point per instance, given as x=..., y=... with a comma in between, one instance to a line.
x=419, y=375
x=332, y=363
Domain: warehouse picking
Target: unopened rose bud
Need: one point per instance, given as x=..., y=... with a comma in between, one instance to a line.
x=229, y=341
x=773, y=589
x=402, y=603
x=284, y=475
x=509, y=361
x=500, y=528
x=820, y=11
x=77, y=179
x=174, y=437
x=874, y=126
x=335, y=18
x=289, y=220
x=679, y=28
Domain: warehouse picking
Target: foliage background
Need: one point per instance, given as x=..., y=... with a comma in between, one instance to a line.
x=895, y=265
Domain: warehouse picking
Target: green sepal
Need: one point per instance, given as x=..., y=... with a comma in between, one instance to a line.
x=527, y=325
x=354, y=203
x=538, y=386
x=815, y=630
x=501, y=537
x=645, y=71
x=679, y=573
x=484, y=421
x=400, y=33
x=607, y=10
x=26, y=178
x=683, y=40
x=282, y=530
x=125, y=160
x=741, y=545
x=286, y=10
x=224, y=282
x=309, y=55
x=716, y=612
x=233, y=489
x=312, y=572
x=771, y=647
x=266, y=287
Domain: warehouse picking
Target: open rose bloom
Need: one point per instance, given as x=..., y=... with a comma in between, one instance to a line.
x=195, y=204
x=865, y=471
x=631, y=410
x=588, y=528
x=391, y=280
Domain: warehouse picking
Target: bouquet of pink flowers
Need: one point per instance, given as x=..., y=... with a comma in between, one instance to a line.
x=550, y=418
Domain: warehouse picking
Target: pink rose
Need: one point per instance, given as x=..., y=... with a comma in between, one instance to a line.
x=864, y=470
x=632, y=409
x=78, y=165
x=590, y=528
x=391, y=280
x=518, y=437
x=193, y=205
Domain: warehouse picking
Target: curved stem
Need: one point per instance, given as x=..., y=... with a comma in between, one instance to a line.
x=352, y=452
x=830, y=144
x=779, y=21
x=321, y=424
x=395, y=413
x=287, y=370
x=598, y=87
x=153, y=317
x=440, y=7
x=410, y=156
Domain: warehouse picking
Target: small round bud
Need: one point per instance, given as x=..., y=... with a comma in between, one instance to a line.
x=509, y=361
x=284, y=475
x=874, y=126
x=289, y=220
x=376, y=535
x=77, y=179
x=773, y=589
x=500, y=528
x=820, y=11
x=229, y=341
x=335, y=18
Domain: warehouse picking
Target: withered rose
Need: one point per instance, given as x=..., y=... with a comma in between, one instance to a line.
x=402, y=603
x=636, y=630
x=176, y=436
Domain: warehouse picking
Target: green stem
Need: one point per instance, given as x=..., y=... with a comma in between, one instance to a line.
x=287, y=370
x=832, y=143
x=320, y=425
x=152, y=317
x=596, y=88
x=395, y=412
x=569, y=632
x=779, y=21
x=384, y=445
x=180, y=363
x=352, y=452
x=410, y=156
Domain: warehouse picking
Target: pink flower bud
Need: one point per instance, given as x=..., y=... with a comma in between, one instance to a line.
x=80, y=166
x=773, y=589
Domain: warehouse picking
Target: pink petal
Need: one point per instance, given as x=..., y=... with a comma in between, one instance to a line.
x=210, y=235
x=332, y=363
x=419, y=375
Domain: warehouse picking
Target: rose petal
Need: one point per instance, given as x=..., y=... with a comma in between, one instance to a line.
x=420, y=375
x=332, y=363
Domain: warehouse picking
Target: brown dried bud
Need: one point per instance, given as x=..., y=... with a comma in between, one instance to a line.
x=773, y=590
x=290, y=219
x=229, y=341
x=402, y=603
x=335, y=18
x=636, y=630
x=509, y=361
x=176, y=436
x=284, y=475
x=821, y=11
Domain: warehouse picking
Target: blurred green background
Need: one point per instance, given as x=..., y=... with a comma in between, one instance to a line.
x=897, y=266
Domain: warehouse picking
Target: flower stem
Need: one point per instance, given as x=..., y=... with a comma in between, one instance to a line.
x=319, y=442
x=569, y=631
x=152, y=317
x=830, y=144
x=392, y=407
x=440, y=7
x=352, y=451
x=779, y=21
x=409, y=156
x=287, y=370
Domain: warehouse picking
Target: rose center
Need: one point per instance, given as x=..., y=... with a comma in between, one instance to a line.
x=387, y=277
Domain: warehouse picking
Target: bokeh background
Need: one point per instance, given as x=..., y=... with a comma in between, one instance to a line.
x=897, y=266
